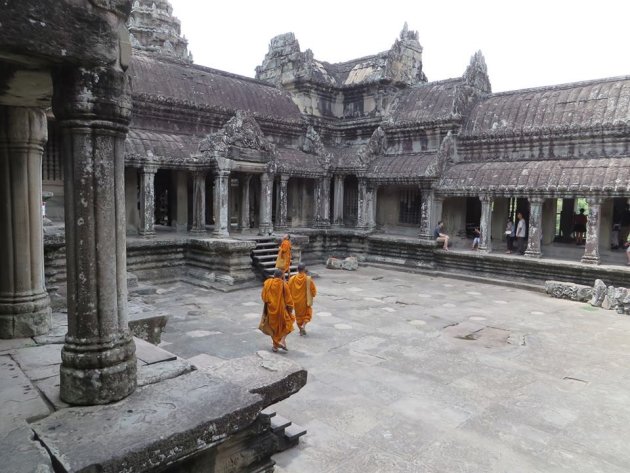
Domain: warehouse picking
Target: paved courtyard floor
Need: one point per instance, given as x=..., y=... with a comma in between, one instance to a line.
x=412, y=373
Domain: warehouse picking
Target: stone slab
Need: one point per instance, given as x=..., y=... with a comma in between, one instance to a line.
x=157, y=424
x=150, y=354
x=12, y=344
x=157, y=372
x=39, y=362
x=264, y=373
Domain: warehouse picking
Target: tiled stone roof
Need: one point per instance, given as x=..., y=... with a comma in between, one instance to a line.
x=576, y=105
x=143, y=143
x=298, y=163
x=429, y=102
x=401, y=168
x=203, y=86
x=575, y=176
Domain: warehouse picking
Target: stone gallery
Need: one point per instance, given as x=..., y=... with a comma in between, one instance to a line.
x=154, y=169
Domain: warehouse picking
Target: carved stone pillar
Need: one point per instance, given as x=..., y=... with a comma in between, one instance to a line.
x=438, y=203
x=535, y=227
x=244, y=216
x=199, y=202
x=426, y=213
x=221, y=199
x=24, y=302
x=367, y=205
x=485, y=226
x=338, y=201
x=591, y=247
x=147, y=201
x=282, y=199
x=93, y=107
x=266, y=201
x=322, y=202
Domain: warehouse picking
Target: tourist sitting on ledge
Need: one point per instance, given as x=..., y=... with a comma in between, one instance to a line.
x=439, y=236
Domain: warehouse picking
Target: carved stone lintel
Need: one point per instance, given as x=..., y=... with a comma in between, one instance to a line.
x=24, y=302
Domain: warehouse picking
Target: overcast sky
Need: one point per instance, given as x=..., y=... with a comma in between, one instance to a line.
x=525, y=43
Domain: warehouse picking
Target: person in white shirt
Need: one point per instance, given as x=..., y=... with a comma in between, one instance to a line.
x=521, y=232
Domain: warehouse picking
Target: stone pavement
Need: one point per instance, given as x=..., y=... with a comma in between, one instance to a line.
x=412, y=373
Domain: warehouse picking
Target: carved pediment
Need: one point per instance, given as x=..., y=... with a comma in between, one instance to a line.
x=313, y=144
x=375, y=147
x=447, y=154
x=241, y=131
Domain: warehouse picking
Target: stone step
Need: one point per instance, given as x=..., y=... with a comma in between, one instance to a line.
x=279, y=423
x=265, y=251
x=293, y=432
x=267, y=413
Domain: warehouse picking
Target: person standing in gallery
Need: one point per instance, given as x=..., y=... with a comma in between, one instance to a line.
x=509, y=235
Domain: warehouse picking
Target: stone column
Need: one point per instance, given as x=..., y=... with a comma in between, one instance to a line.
x=438, y=203
x=199, y=202
x=93, y=107
x=282, y=201
x=591, y=248
x=147, y=201
x=485, y=226
x=322, y=202
x=266, y=201
x=372, y=192
x=362, y=203
x=24, y=302
x=244, y=216
x=535, y=227
x=338, y=201
x=426, y=211
x=220, y=203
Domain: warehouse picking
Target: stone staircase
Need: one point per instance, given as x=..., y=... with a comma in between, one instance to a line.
x=287, y=433
x=264, y=257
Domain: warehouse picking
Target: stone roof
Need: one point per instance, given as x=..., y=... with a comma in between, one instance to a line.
x=202, y=86
x=576, y=105
x=163, y=148
x=401, y=168
x=429, y=102
x=345, y=157
x=575, y=176
x=296, y=162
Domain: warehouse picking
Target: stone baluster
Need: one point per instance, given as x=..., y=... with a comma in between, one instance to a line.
x=199, y=202
x=282, y=213
x=591, y=247
x=426, y=211
x=338, y=201
x=485, y=226
x=93, y=108
x=147, y=201
x=244, y=217
x=266, y=201
x=535, y=227
x=322, y=202
x=221, y=199
x=24, y=302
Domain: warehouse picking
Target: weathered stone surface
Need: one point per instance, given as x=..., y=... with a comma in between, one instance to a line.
x=350, y=263
x=564, y=290
x=600, y=290
x=333, y=263
x=158, y=424
x=266, y=374
x=39, y=362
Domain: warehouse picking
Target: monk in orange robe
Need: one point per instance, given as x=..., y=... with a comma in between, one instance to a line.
x=283, y=261
x=302, y=291
x=279, y=306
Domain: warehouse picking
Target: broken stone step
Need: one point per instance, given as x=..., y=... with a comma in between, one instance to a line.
x=279, y=423
x=267, y=413
x=293, y=432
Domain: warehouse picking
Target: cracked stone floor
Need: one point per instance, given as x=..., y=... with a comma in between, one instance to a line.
x=412, y=373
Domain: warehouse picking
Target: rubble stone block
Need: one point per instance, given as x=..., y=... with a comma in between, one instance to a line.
x=350, y=264
x=600, y=290
x=566, y=290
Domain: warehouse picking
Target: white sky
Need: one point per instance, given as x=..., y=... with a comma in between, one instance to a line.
x=525, y=43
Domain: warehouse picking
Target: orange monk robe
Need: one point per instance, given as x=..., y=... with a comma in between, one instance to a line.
x=297, y=285
x=283, y=261
x=277, y=296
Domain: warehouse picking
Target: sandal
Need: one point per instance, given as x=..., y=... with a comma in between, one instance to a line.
x=274, y=349
x=284, y=347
